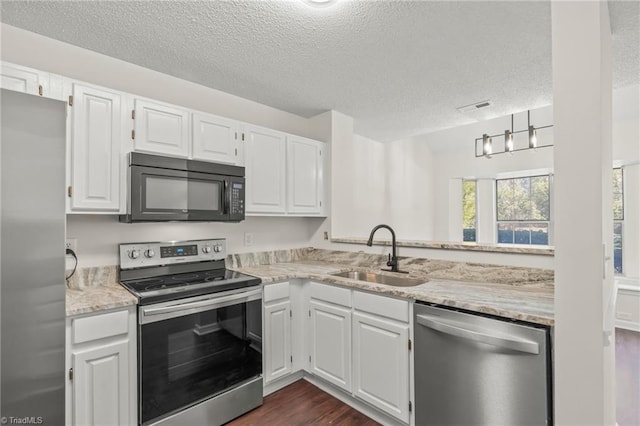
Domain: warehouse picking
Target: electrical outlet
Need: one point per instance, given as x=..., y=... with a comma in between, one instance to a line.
x=71, y=243
x=248, y=239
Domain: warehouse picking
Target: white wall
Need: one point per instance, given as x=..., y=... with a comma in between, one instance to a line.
x=99, y=235
x=383, y=183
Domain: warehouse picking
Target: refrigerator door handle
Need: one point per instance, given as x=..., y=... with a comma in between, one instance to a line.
x=501, y=341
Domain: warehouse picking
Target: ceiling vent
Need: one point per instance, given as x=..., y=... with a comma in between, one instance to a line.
x=474, y=107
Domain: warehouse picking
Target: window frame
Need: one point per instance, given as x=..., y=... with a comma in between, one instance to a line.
x=619, y=221
x=548, y=222
x=475, y=216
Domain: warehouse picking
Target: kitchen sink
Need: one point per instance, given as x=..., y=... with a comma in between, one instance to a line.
x=373, y=277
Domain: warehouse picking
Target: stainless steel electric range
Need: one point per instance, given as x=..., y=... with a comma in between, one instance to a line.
x=199, y=333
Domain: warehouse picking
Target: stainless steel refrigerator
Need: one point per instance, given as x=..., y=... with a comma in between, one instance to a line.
x=32, y=282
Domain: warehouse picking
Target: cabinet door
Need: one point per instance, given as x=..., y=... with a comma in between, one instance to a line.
x=331, y=343
x=22, y=79
x=277, y=331
x=265, y=171
x=216, y=139
x=304, y=176
x=96, y=138
x=101, y=385
x=161, y=128
x=381, y=364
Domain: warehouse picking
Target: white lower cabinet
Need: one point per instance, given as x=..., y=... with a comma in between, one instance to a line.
x=331, y=343
x=101, y=362
x=355, y=341
x=381, y=364
x=278, y=354
x=381, y=353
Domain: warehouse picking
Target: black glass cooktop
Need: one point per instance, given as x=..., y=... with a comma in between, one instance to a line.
x=178, y=286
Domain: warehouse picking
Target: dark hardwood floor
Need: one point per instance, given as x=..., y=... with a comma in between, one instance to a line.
x=301, y=403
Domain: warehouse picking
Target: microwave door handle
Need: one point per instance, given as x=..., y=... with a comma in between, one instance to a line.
x=225, y=196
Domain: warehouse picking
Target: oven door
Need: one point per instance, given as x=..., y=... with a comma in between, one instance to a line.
x=177, y=195
x=193, y=349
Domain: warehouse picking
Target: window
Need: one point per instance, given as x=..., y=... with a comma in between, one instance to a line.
x=523, y=210
x=618, y=217
x=469, y=210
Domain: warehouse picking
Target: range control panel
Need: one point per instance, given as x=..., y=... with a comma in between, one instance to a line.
x=138, y=255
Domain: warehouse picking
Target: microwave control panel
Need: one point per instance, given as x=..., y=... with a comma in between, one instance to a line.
x=236, y=199
x=138, y=255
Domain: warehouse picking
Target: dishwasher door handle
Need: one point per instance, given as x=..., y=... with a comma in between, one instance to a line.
x=501, y=341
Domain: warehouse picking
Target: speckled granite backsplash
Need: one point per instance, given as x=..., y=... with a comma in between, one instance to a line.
x=93, y=277
x=434, y=269
x=242, y=260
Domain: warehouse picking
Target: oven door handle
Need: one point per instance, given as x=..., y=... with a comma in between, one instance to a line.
x=178, y=309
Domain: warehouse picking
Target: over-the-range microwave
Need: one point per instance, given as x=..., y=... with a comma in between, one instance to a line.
x=166, y=189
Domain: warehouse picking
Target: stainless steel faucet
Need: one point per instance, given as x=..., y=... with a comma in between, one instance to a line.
x=393, y=259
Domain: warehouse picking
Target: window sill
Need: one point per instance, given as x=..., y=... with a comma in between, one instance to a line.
x=447, y=245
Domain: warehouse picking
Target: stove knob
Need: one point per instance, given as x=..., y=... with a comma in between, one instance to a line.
x=149, y=253
x=134, y=254
x=206, y=249
x=217, y=248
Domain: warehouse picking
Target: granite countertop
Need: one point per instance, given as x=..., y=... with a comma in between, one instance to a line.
x=96, y=289
x=98, y=298
x=526, y=301
x=449, y=245
x=512, y=292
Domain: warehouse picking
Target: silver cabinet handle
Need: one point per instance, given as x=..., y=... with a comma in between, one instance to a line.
x=453, y=329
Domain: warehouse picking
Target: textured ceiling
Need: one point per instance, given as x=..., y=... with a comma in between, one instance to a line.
x=399, y=68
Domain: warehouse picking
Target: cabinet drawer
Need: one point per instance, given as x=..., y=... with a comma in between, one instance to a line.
x=100, y=326
x=331, y=294
x=381, y=305
x=276, y=291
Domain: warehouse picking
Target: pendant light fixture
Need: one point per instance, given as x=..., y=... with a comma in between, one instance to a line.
x=487, y=148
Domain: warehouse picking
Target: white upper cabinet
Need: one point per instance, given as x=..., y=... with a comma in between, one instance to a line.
x=285, y=173
x=96, y=133
x=305, y=176
x=265, y=155
x=161, y=128
x=31, y=81
x=23, y=79
x=216, y=139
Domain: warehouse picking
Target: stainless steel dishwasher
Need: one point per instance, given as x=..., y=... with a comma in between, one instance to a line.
x=479, y=370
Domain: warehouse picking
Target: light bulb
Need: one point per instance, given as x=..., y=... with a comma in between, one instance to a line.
x=508, y=144
x=533, y=137
x=487, y=149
